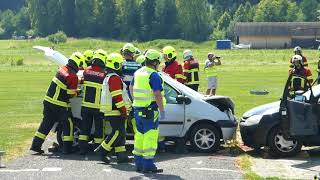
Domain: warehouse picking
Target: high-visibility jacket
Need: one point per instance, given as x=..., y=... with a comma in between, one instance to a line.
x=114, y=97
x=63, y=86
x=174, y=69
x=298, y=83
x=143, y=94
x=211, y=71
x=93, y=78
x=191, y=71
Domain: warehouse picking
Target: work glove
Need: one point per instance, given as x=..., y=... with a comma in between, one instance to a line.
x=162, y=115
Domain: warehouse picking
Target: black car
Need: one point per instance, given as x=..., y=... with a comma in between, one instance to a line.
x=285, y=125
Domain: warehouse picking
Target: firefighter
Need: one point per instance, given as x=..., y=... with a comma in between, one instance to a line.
x=88, y=54
x=211, y=73
x=172, y=66
x=113, y=104
x=90, y=111
x=298, y=51
x=148, y=103
x=191, y=70
x=130, y=66
x=55, y=105
x=299, y=69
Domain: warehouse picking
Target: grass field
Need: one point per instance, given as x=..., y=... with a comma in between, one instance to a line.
x=22, y=87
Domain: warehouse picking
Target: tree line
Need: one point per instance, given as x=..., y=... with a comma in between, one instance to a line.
x=144, y=20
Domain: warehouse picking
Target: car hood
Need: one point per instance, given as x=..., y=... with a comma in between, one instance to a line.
x=263, y=109
x=221, y=102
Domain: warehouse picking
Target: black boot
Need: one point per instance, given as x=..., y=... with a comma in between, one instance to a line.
x=36, y=145
x=105, y=159
x=122, y=157
x=154, y=170
x=67, y=147
x=84, y=147
x=180, y=146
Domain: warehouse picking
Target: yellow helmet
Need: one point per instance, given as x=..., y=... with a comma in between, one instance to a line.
x=114, y=61
x=140, y=59
x=153, y=55
x=169, y=52
x=78, y=58
x=88, y=54
x=100, y=54
x=128, y=48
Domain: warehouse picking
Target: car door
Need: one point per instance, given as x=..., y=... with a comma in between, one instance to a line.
x=299, y=116
x=175, y=113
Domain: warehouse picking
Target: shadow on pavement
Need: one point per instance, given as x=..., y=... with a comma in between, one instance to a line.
x=156, y=176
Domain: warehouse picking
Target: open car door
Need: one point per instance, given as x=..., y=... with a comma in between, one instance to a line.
x=298, y=109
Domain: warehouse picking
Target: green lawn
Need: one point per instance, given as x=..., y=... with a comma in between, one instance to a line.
x=22, y=87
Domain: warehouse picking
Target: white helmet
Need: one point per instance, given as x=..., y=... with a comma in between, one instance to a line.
x=297, y=48
x=187, y=54
x=296, y=58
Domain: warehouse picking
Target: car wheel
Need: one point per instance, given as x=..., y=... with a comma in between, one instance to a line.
x=205, y=138
x=280, y=146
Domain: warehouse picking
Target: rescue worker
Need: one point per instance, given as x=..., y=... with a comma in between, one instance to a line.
x=212, y=73
x=55, y=105
x=137, y=53
x=148, y=103
x=93, y=77
x=191, y=70
x=298, y=51
x=114, y=110
x=299, y=69
x=88, y=54
x=172, y=66
x=130, y=66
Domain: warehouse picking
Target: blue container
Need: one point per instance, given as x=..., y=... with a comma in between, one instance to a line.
x=223, y=44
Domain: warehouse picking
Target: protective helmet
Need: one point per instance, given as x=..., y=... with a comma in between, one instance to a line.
x=153, y=55
x=141, y=59
x=296, y=59
x=100, y=54
x=128, y=49
x=210, y=54
x=187, y=54
x=169, y=52
x=88, y=54
x=137, y=52
x=297, y=49
x=78, y=58
x=114, y=61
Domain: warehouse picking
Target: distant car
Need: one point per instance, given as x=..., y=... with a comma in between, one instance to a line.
x=205, y=121
x=284, y=133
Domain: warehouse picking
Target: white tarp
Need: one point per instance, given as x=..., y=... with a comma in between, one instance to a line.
x=52, y=55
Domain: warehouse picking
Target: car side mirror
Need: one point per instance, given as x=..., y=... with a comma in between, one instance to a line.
x=183, y=99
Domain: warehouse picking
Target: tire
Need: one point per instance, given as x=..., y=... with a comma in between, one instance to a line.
x=205, y=138
x=280, y=146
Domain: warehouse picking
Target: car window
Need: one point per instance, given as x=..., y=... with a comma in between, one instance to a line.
x=170, y=94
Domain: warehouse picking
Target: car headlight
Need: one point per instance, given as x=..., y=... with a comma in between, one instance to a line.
x=255, y=119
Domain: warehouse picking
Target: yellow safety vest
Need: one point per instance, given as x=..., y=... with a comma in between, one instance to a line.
x=211, y=71
x=143, y=94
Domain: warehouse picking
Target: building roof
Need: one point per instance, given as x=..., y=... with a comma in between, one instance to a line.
x=277, y=29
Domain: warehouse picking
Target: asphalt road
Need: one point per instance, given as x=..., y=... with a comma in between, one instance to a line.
x=220, y=165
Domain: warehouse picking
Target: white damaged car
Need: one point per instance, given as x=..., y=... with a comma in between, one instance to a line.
x=204, y=121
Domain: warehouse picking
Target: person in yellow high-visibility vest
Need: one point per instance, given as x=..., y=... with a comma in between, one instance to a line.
x=148, y=105
x=212, y=73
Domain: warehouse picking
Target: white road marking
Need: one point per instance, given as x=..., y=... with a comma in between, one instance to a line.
x=210, y=169
x=199, y=162
x=51, y=169
x=19, y=170
x=107, y=170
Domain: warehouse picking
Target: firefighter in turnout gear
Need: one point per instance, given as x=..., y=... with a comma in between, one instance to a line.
x=148, y=103
x=191, y=70
x=56, y=102
x=172, y=66
x=113, y=103
x=93, y=77
x=299, y=69
x=88, y=54
x=298, y=51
